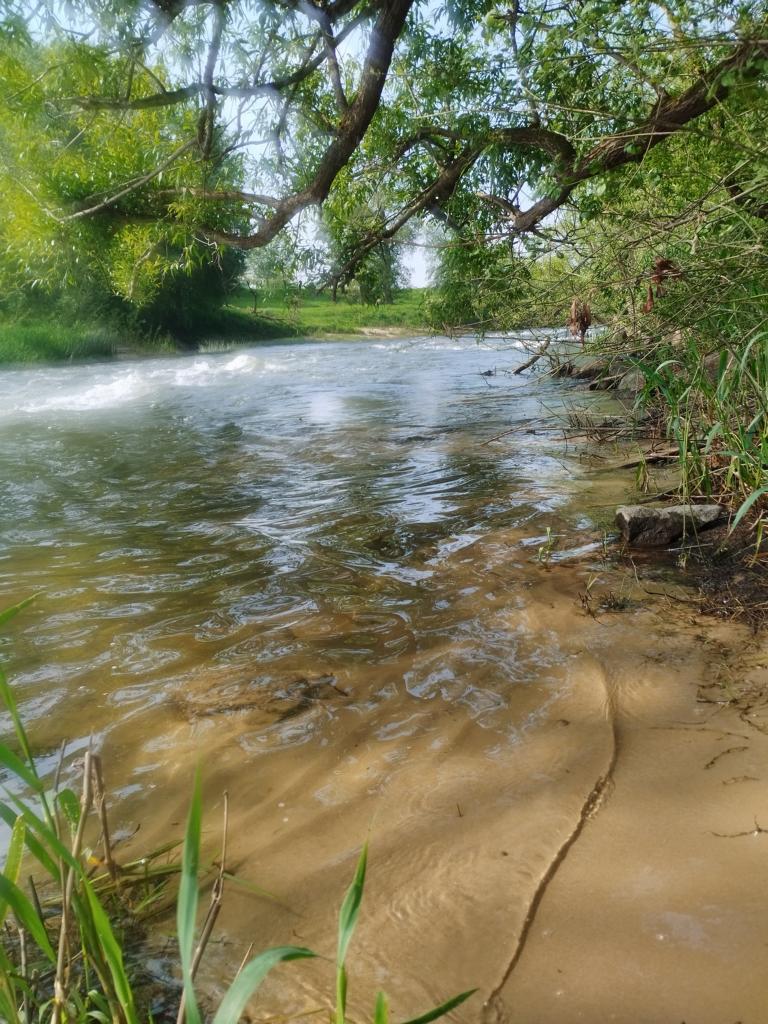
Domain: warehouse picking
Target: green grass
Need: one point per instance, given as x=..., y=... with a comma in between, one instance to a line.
x=49, y=341
x=278, y=315
x=302, y=314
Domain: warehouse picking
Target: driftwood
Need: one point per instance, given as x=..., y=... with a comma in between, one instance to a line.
x=659, y=455
x=535, y=357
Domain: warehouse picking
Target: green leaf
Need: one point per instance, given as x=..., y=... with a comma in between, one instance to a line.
x=443, y=1008
x=341, y=994
x=13, y=860
x=10, y=613
x=26, y=915
x=350, y=908
x=381, y=1010
x=33, y=844
x=8, y=699
x=746, y=506
x=348, y=915
x=186, y=910
x=71, y=807
x=112, y=954
x=248, y=980
x=46, y=833
x=17, y=767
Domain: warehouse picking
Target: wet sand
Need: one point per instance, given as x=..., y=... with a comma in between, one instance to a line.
x=560, y=852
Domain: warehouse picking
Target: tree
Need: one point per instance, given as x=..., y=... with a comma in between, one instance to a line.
x=127, y=259
x=351, y=215
x=487, y=116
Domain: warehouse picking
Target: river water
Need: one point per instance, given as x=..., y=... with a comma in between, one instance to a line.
x=242, y=521
x=314, y=569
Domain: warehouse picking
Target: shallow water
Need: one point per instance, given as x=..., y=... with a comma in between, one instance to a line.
x=203, y=526
x=311, y=568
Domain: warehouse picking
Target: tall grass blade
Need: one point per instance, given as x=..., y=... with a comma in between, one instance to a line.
x=381, y=1009
x=18, y=727
x=10, y=613
x=442, y=1009
x=13, y=860
x=746, y=506
x=26, y=915
x=17, y=767
x=112, y=954
x=186, y=910
x=33, y=844
x=46, y=834
x=248, y=980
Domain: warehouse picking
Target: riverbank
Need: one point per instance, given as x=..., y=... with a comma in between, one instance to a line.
x=276, y=317
x=698, y=452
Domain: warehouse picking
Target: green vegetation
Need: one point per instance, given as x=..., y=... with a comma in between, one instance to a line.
x=279, y=314
x=47, y=341
x=306, y=313
x=71, y=934
x=152, y=156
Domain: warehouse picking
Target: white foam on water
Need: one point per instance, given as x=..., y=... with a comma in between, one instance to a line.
x=199, y=373
x=125, y=387
x=241, y=362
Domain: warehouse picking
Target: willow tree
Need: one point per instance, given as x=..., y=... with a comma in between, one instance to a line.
x=222, y=121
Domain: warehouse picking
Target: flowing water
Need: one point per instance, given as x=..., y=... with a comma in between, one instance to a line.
x=323, y=571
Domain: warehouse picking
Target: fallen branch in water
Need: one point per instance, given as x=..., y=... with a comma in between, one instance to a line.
x=660, y=456
x=534, y=358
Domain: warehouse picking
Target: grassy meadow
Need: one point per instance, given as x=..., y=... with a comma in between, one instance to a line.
x=307, y=314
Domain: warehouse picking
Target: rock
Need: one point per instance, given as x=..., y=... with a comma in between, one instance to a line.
x=631, y=381
x=711, y=364
x=648, y=527
x=590, y=370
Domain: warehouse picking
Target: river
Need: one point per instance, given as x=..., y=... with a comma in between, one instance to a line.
x=324, y=573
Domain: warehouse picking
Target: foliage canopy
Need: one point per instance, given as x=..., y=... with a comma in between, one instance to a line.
x=143, y=136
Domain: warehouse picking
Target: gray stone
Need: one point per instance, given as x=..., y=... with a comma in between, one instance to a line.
x=631, y=381
x=647, y=527
x=589, y=370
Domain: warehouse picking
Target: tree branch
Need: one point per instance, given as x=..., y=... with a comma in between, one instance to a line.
x=172, y=97
x=137, y=184
x=351, y=130
x=670, y=115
